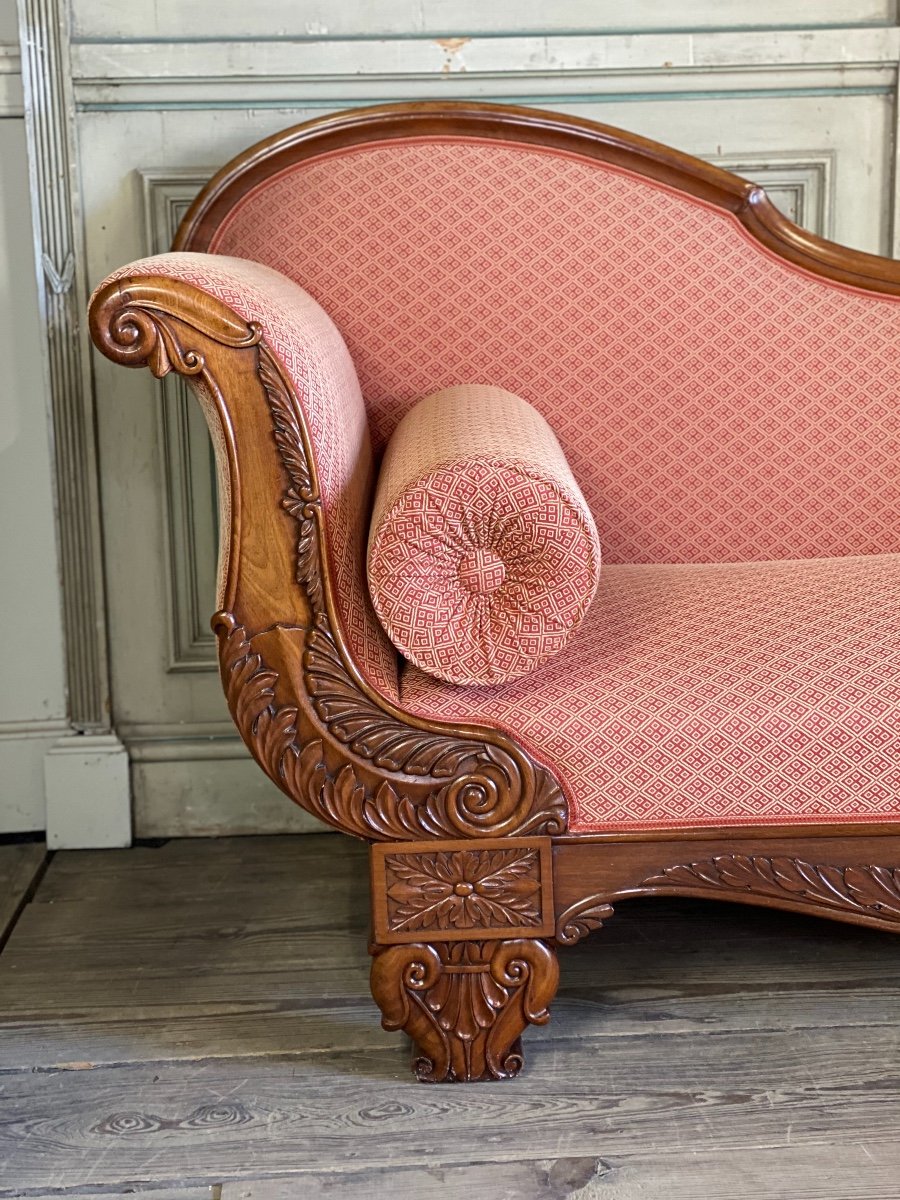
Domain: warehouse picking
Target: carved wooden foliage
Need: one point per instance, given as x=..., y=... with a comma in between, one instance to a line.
x=366, y=728
x=300, y=498
x=299, y=767
x=134, y=329
x=463, y=786
x=869, y=890
x=465, y=1004
x=490, y=789
x=582, y=918
x=460, y=889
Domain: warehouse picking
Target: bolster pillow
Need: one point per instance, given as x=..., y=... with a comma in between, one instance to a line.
x=483, y=555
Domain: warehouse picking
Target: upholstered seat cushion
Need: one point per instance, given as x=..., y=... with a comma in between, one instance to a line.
x=483, y=555
x=731, y=694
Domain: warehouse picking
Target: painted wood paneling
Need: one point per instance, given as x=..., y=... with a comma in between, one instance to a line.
x=95, y=19
x=11, y=100
x=123, y=74
x=9, y=31
x=32, y=695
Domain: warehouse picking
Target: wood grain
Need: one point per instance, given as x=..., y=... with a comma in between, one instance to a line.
x=215, y=1120
x=858, y=1172
x=352, y=756
x=697, y=1048
x=20, y=865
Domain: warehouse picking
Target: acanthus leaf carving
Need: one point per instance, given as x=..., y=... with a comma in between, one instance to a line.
x=491, y=790
x=870, y=890
x=134, y=328
x=301, y=498
x=460, y=786
x=463, y=889
x=366, y=728
x=465, y=1004
x=271, y=731
x=582, y=918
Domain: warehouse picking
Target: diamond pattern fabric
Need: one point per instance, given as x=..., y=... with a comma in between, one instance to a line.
x=714, y=695
x=483, y=557
x=714, y=402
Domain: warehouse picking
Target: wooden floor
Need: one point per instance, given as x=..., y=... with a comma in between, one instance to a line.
x=193, y=1020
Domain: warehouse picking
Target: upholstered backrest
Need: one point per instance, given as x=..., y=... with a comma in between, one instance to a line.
x=715, y=400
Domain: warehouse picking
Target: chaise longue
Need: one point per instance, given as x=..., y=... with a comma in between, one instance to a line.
x=723, y=718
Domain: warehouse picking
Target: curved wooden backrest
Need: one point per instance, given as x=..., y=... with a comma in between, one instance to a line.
x=721, y=380
x=536, y=127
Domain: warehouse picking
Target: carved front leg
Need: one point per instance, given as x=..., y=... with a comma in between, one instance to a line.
x=460, y=960
x=465, y=1004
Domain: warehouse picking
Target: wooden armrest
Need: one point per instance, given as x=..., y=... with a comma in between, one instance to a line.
x=319, y=715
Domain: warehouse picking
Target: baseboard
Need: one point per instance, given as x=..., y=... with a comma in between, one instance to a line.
x=88, y=792
x=205, y=786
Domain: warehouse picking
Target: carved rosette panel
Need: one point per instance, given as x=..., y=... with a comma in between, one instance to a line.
x=336, y=748
x=866, y=891
x=465, y=1004
x=461, y=891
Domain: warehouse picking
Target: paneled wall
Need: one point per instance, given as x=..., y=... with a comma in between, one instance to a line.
x=32, y=698
x=801, y=97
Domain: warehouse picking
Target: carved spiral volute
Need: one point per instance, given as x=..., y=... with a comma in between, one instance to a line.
x=134, y=336
x=137, y=322
x=493, y=798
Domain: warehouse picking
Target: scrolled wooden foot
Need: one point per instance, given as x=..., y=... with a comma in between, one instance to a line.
x=466, y=1003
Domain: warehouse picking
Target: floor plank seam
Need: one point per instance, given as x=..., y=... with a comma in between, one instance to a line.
x=25, y=899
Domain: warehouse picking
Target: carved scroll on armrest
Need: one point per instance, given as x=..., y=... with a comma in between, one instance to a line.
x=319, y=715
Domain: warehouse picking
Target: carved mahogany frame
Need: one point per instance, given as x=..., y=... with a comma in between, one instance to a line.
x=474, y=878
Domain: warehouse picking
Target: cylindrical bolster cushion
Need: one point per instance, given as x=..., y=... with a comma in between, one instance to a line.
x=483, y=555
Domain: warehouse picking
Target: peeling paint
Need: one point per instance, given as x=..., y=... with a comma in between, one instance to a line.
x=452, y=58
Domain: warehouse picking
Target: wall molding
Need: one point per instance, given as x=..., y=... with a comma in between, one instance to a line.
x=13, y=731
x=86, y=781
x=11, y=100
x=801, y=184
x=453, y=18
x=190, y=507
x=223, y=747
x=304, y=70
x=62, y=298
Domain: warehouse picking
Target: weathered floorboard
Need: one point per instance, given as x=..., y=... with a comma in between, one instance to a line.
x=191, y=867
x=202, y=1020
x=191, y=1123
x=857, y=1172
x=78, y=1039
x=20, y=864
x=202, y=1192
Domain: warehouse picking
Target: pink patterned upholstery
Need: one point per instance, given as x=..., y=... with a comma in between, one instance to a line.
x=714, y=402
x=483, y=556
x=310, y=348
x=726, y=695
